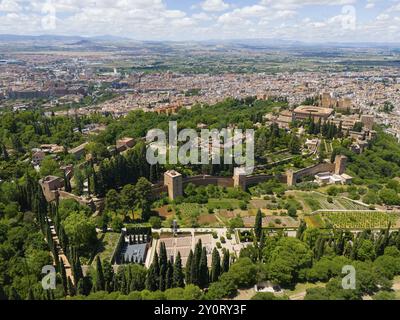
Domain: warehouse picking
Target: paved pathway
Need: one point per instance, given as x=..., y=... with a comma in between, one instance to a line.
x=60, y=251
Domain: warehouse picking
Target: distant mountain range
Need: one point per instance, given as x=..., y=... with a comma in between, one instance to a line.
x=17, y=38
x=251, y=43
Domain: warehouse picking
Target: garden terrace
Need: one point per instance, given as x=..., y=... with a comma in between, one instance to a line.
x=356, y=220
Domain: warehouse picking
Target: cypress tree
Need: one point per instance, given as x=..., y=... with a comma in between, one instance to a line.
x=78, y=273
x=108, y=275
x=169, y=277
x=64, y=277
x=301, y=229
x=188, y=268
x=215, y=265
x=163, y=275
x=3, y=295
x=196, y=263
x=14, y=294
x=258, y=225
x=178, y=281
x=80, y=289
x=152, y=280
x=225, y=261
x=100, y=283
x=163, y=266
x=71, y=287
x=163, y=257
x=30, y=296
x=203, y=269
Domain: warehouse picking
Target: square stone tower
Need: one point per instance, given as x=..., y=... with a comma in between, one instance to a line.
x=239, y=178
x=340, y=164
x=368, y=121
x=291, y=180
x=173, y=181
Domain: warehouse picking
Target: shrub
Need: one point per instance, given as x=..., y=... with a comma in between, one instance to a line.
x=224, y=288
x=292, y=212
x=155, y=222
x=267, y=296
x=223, y=239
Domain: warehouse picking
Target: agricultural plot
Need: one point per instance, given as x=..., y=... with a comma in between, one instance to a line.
x=273, y=222
x=314, y=201
x=314, y=221
x=224, y=203
x=359, y=219
x=258, y=204
x=194, y=214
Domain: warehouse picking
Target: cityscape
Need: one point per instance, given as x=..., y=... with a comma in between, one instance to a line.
x=304, y=206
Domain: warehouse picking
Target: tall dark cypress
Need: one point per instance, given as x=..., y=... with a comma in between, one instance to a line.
x=215, y=266
x=162, y=278
x=152, y=280
x=163, y=266
x=203, y=269
x=64, y=277
x=100, y=282
x=71, y=287
x=14, y=295
x=30, y=296
x=301, y=229
x=78, y=269
x=258, y=225
x=169, y=277
x=188, y=268
x=196, y=263
x=177, y=278
x=225, y=261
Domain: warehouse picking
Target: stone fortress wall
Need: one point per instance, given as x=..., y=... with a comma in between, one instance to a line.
x=175, y=188
x=174, y=183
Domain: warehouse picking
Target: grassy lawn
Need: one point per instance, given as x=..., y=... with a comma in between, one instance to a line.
x=109, y=241
x=224, y=203
x=302, y=287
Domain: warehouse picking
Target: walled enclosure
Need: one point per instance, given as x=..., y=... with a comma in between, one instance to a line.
x=175, y=184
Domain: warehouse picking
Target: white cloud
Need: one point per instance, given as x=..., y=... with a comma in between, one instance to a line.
x=395, y=7
x=155, y=20
x=9, y=6
x=382, y=17
x=202, y=16
x=214, y=5
x=294, y=4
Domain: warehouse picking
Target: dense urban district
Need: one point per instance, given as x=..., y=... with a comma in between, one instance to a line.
x=77, y=193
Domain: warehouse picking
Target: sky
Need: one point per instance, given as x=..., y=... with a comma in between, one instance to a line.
x=182, y=20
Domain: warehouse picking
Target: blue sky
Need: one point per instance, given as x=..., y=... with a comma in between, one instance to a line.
x=307, y=20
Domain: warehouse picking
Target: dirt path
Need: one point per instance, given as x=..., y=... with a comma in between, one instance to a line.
x=298, y=296
x=61, y=254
